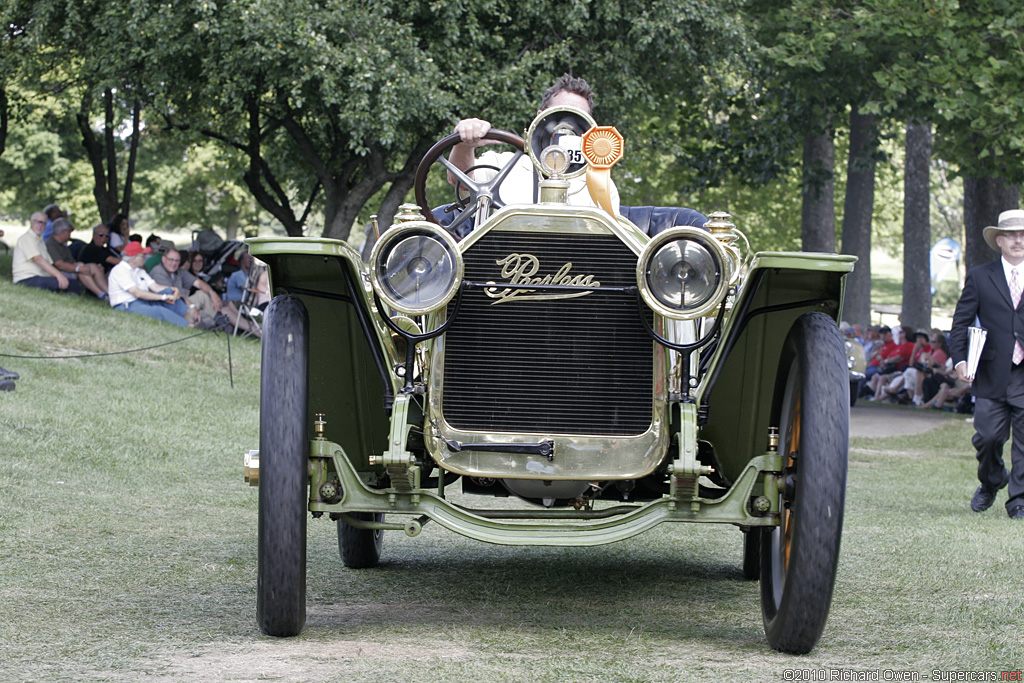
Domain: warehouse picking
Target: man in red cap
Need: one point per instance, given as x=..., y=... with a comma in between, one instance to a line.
x=133, y=290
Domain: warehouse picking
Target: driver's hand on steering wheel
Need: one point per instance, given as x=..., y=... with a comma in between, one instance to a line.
x=472, y=131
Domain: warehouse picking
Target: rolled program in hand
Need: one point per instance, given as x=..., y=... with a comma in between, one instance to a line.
x=975, y=343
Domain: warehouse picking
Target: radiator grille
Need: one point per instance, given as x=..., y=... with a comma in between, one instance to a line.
x=571, y=366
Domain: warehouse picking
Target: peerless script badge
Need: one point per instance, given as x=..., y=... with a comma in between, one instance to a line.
x=521, y=269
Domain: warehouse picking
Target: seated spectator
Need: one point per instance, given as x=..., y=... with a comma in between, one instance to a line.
x=196, y=263
x=53, y=212
x=158, y=248
x=904, y=375
x=153, y=260
x=238, y=281
x=133, y=290
x=948, y=392
x=927, y=372
x=238, y=288
x=893, y=358
x=872, y=341
x=197, y=293
x=91, y=275
x=31, y=264
x=880, y=349
x=934, y=376
x=118, y=229
x=942, y=383
x=97, y=250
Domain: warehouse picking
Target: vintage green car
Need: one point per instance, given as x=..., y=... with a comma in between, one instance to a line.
x=613, y=371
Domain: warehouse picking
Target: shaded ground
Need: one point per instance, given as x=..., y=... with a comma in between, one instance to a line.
x=877, y=420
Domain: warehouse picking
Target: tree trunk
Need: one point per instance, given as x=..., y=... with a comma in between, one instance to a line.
x=917, y=237
x=259, y=178
x=984, y=200
x=133, y=153
x=818, y=218
x=393, y=199
x=110, y=123
x=858, y=208
x=3, y=120
x=106, y=204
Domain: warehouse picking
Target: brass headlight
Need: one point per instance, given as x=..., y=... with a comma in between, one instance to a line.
x=416, y=267
x=683, y=273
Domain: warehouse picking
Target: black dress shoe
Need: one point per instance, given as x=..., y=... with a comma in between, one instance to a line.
x=1017, y=512
x=986, y=495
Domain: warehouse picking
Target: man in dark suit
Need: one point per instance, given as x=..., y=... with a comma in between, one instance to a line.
x=992, y=294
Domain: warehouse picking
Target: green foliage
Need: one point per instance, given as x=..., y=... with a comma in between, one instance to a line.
x=199, y=189
x=319, y=108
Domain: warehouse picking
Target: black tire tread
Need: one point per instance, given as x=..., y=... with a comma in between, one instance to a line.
x=283, y=484
x=796, y=623
x=360, y=548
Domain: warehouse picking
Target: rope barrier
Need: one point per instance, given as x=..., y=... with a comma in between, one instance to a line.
x=231, y=374
x=110, y=353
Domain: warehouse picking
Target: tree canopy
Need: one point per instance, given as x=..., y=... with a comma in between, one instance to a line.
x=211, y=114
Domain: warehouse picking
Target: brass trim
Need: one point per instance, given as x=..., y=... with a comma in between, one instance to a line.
x=528, y=138
x=390, y=238
x=695, y=235
x=578, y=457
x=578, y=220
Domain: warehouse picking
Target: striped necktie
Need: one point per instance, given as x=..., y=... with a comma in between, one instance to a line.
x=1018, y=350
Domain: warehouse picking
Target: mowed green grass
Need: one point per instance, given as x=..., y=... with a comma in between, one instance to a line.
x=128, y=550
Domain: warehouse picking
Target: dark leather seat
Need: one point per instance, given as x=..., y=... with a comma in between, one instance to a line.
x=655, y=219
x=650, y=219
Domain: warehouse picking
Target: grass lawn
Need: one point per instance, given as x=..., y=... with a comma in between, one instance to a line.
x=128, y=549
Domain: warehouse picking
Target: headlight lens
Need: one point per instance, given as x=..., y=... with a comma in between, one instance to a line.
x=416, y=268
x=682, y=273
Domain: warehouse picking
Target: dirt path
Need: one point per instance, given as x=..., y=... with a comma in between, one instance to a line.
x=869, y=419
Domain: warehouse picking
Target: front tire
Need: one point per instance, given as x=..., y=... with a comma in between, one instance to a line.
x=360, y=548
x=799, y=558
x=284, y=479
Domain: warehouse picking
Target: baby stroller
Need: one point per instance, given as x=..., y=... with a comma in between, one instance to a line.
x=218, y=255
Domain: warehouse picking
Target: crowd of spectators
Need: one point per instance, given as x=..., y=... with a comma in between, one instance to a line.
x=155, y=279
x=911, y=367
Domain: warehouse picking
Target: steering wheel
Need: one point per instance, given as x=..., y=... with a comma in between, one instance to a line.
x=483, y=194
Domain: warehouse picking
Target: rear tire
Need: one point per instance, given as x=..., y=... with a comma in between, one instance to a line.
x=360, y=548
x=284, y=479
x=799, y=558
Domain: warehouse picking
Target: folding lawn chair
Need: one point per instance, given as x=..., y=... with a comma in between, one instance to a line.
x=248, y=307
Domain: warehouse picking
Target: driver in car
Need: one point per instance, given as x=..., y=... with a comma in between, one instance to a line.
x=520, y=187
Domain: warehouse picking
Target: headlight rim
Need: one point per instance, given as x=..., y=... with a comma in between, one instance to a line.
x=541, y=117
x=706, y=240
x=391, y=238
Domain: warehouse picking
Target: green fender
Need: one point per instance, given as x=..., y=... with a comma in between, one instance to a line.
x=351, y=355
x=736, y=395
